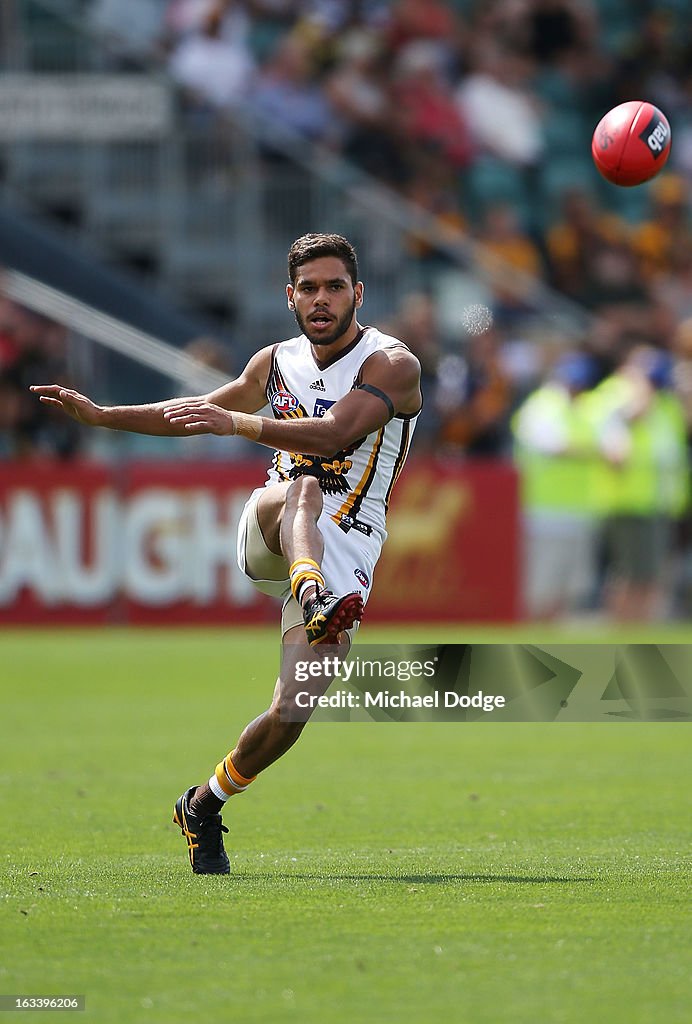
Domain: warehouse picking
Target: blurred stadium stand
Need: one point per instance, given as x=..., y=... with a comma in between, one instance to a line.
x=193, y=205
x=172, y=213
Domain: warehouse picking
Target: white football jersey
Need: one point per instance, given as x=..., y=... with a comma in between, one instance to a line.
x=357, y=482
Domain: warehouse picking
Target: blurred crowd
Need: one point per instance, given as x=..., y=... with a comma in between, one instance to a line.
x=432, y=96
x=33, y=350
x=600, y=431
x=479, y=112
x=605, y=476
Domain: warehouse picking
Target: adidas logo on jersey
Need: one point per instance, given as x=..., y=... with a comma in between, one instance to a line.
x=318, y=385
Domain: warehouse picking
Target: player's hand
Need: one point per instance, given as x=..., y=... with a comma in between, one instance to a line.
x=200, y=417
x=79, y=407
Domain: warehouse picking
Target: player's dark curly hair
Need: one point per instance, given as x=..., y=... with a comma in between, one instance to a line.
x=313, y=246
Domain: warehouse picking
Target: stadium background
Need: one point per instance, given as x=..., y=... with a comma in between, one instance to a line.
x=156, y=160
x=497, y=874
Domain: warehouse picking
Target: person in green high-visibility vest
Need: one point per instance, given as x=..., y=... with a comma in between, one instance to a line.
x=641, y=429
x=557, y=456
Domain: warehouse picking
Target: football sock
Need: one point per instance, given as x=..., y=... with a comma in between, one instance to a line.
x=227, y=780
x=204, y=802
x=305, y=575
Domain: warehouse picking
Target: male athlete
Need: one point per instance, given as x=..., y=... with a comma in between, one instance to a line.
x=344, y=400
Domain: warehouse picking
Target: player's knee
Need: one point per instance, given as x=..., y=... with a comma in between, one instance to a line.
x=305, y=491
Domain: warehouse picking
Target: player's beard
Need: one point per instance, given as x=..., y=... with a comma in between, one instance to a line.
x=339, y=327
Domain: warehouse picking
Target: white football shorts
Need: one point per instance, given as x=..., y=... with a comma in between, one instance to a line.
x=348, y=563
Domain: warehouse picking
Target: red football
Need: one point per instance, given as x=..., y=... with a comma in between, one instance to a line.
x=631, y=143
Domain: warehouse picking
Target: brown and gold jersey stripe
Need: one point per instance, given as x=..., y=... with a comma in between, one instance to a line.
x=277, y=467
x=276, y=382
x=355, y=499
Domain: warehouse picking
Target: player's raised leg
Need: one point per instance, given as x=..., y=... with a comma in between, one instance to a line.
x=326, y=615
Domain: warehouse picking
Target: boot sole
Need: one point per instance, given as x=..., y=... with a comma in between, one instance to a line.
x=348, y=611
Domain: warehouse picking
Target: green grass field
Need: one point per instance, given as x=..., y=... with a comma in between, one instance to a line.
x=380, y=872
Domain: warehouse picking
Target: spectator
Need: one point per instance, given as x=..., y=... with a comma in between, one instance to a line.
x=557, y=457
x=287, y=95
x=658, y=239
x=508, y=256
x=215, y=70
x=576, y=240
x=32, y=347
x=673, y=290
x=642, y=436
x=271, y=19
x=358, y=91
x=412, y=21
x=502, y=114
x=432, y=186
x=185, y=18
x=682, y=347
x=9, y=348
x=417, y=326
x=558, y=30
x=337, y=16
x=473, y=398
x=591, y=255
x=10, y=387
x=425, y=108
x=654, y=60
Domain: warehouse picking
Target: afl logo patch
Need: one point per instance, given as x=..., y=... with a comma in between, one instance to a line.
x=362, y=577
x=282, y=401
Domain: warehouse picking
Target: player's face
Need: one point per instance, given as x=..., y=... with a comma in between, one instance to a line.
x=324, y=301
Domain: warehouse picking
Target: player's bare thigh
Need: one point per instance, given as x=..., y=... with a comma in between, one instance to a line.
x=270, y=510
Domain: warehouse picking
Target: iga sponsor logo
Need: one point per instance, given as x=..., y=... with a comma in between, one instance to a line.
x=362, y=577
x=283, y=401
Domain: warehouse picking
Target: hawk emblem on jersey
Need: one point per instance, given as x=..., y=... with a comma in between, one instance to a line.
x=330, y=473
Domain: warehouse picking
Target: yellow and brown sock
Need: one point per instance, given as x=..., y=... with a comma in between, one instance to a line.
x=223, y=784
x=305, y=575
x=227, y=780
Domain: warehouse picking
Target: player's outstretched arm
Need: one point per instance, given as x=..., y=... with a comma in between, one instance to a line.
x=139, y=419
x=245, y=393
x=390, y=384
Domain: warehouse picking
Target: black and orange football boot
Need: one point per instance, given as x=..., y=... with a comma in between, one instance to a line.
x=204, y=838
x=326, y=616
